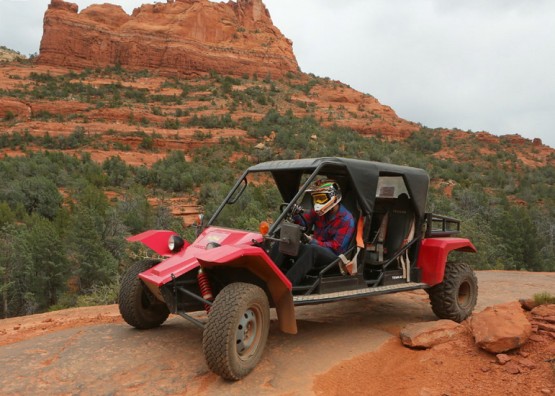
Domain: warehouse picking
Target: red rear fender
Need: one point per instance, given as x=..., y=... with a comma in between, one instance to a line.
x=433, y=256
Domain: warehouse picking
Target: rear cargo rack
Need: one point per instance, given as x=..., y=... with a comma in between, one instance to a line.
x=441, y=226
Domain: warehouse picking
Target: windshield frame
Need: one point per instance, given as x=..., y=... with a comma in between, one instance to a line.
x=232, y=195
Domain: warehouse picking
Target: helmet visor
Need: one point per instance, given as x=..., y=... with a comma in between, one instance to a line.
x=320, y=198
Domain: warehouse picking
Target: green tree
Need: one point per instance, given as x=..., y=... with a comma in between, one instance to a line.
x=7, y=216
x=39, y=195
x=520, y=238
x=89, y=257
x=88, y=252
x=116, y=169
x=15, y=264
x=50, y=266
x=135, y=211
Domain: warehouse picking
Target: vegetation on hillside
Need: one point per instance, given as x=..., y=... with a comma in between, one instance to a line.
x=63, y=240
x=9, y=55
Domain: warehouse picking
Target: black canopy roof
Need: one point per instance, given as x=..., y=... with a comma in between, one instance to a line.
x=361, y=177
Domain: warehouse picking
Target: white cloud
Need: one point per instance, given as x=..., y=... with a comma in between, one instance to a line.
x=469, y=65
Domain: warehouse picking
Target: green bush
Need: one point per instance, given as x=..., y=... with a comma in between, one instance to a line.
x=171, y=123
x=99, y=295
x=9, y=116
x=544, y=298
x=147, y=143
x=212, y=121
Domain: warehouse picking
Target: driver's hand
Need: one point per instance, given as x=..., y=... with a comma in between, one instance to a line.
x=308, y=238
x=297, y=209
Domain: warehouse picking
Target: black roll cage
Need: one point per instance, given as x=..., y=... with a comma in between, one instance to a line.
x=359, y=181
x=361, y=177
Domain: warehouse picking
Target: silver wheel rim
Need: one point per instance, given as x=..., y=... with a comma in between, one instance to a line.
x=247, y=334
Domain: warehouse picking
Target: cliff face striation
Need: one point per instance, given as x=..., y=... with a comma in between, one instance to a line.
x=180, y=37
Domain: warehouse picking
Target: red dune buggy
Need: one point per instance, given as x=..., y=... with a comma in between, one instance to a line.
x=229, y=272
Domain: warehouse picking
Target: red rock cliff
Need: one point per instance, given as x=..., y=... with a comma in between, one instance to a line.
x=180, y=37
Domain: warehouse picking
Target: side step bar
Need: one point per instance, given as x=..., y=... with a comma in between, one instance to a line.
x=364, y=292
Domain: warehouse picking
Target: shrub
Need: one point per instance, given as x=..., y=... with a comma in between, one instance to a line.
x=544, y=298
x=9, y=116
x=77, y=138
x=171, y=123
x=99, y=295
x=147, y=143
x=43, y=115
x=116, y=170
x=200, y=135
x=212, y=121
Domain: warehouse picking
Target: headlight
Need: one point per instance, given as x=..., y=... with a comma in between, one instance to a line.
x=211, y=245
x=175, y=243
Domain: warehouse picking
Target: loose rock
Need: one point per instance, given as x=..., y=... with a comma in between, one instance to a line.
x=529, y=364
x=428, y=334
x=512, y=368
x=503, y=358
x=501, y=328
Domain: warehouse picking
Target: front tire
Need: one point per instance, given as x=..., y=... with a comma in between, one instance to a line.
x=138, y=307
x=235, y=335
x=456, y=296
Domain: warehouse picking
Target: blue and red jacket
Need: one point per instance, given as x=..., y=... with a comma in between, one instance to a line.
x=332, y=231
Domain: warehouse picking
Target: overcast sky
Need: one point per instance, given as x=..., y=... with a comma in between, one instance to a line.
x=472, y=64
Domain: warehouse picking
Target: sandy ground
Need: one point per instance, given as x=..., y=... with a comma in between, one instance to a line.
x=343, y=348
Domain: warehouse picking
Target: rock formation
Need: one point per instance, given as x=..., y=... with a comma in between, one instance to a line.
x=180, y=37
x=12, y=108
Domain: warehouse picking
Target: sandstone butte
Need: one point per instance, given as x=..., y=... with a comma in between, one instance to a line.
x=180, y=37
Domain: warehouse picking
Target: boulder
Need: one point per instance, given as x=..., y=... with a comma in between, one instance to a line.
x=183, y=37
x=427, y=334
x=501, y=328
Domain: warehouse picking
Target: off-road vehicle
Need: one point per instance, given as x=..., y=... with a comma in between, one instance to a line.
x=229, y=271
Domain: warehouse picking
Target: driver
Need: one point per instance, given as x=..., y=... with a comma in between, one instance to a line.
x=333, y=226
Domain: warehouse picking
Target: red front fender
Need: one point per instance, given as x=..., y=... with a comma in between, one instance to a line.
x=156, y=240
x=433, y=256
x=259, y=263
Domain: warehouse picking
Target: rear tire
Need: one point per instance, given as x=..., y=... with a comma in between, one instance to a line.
x=137, y=305
x=456, y=296
x=235, y=335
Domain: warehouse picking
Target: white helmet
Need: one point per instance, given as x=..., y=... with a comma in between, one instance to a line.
x=325, y=195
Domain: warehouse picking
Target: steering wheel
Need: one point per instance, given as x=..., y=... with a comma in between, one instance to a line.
x=297, y=210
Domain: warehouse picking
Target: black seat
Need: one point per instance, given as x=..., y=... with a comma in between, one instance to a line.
x=400, y=222
x=391, y=227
